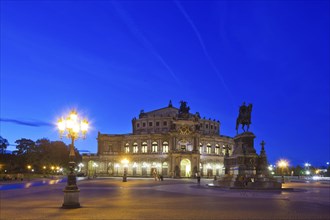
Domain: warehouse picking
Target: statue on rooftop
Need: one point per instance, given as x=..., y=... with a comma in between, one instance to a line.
x=184, y=110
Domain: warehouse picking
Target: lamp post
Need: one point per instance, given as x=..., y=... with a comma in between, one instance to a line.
x=283, y=164
x=73, y=128
x=125, y=164
x=29, y=168
x=308, y=172
x=95, y=165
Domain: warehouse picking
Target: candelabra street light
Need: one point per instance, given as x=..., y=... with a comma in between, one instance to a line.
x=73, y=128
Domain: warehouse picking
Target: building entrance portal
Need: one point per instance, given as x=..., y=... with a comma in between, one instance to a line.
x=185, y=168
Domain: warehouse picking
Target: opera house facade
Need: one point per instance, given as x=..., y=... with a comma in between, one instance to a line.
x=169, y=141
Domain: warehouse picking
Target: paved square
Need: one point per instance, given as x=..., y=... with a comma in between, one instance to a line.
x=110, y=198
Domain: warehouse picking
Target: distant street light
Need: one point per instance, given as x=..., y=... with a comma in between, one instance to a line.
x=95, y=165
x=283, y=164
x=307, y=165
x=73, y=128
x=125, y=164
x=29, y=174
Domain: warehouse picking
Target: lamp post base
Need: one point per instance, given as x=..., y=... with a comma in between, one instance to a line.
x=71, y=199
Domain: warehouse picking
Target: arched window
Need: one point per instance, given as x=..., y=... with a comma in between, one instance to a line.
x=217, y=149
x=144, y=147
x=209, y=149
x=154, y=147
x=223, y=149
x=135, y=148
x=165, y=147
x=126, y=148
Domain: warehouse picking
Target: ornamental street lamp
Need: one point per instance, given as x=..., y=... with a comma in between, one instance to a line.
x=283, y=164
x=73, y=128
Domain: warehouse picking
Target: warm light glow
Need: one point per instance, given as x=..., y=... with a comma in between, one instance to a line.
x=283, y=163
x=29, y=167
x=75, y=128
x=84, y=125
x=69, y=123
x=95, y=164
x=61, y=125
x=72, y=126
x=44, y=167
x=73, y=116
x=124, y=161
x=52, y=168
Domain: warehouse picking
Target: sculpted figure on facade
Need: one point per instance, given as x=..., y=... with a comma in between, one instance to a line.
x=183, y=110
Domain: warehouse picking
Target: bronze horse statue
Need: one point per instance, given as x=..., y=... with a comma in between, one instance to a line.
x=244, y=117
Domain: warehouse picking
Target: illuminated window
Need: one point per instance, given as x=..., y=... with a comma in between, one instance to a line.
x=135, y=148
x=154, y=147
x=223, y=149
x=144, y=147
x=165, y=147
x=217, y=149
x=127, y=148
x=208, y=149
x=200, y=148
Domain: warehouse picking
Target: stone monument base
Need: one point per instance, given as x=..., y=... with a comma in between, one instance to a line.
x=233, y=181
x=71, y=199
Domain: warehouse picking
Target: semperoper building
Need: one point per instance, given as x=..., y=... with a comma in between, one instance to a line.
x=169, y=141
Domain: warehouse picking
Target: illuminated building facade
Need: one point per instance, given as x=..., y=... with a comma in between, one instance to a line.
x=168, y=141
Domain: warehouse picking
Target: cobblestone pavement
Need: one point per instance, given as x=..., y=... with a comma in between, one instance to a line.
x=110, y=198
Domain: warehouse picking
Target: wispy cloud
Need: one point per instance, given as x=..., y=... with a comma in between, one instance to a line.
x=135, y=30
x=200, y=39
x=26, y=123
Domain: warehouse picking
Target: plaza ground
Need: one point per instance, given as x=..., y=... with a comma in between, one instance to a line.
x=110, y=198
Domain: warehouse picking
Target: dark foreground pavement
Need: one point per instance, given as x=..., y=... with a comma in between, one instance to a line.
x=171, y=199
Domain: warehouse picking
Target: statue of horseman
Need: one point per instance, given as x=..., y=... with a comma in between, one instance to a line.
x=244, y=117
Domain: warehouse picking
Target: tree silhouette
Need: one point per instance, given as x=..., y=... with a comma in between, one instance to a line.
x=3, y=144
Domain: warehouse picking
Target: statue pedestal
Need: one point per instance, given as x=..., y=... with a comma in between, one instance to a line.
x=245, y=168
x=71, y=199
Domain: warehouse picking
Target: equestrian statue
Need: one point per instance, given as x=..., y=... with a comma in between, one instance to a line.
x=244, y=117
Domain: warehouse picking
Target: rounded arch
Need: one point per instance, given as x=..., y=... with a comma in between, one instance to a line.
x=185, y=168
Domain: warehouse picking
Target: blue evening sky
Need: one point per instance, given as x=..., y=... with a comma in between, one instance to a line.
x=110, y=59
